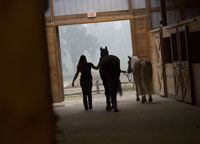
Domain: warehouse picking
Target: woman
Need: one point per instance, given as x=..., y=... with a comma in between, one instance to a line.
x=84, y=68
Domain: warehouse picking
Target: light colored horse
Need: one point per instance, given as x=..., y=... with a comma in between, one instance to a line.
x=142, y=73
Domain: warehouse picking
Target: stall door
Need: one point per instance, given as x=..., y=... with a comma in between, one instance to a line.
x=181, y=65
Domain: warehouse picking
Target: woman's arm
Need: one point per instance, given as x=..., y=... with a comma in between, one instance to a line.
x=96, y=67
x=75, y=77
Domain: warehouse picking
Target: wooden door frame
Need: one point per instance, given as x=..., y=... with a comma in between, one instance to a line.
x=185, y=28
x=163, y=64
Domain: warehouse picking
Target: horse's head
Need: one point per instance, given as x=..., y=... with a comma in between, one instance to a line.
x=104, y=51
x=131, y=62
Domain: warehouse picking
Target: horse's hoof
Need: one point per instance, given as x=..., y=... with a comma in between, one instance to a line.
x=150, y=99
x=116, y=110
x=143, y=101
x=108, y=108
x=138, y=99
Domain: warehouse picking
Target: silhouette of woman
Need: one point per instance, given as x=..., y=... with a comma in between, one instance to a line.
x=84, y=68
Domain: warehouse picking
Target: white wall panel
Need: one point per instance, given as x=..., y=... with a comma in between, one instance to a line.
x=118, y=4
x=85, y=6
x=70, y=7
x=79, y=8
x=108, y=5
x=55, y=7
x=155, y=18
x=90, y=5
x=137, y=4
x=154, y=3
x=96, y=5
x=61, y=7
x=125, y=5
x=73, y=6
x=67, y=7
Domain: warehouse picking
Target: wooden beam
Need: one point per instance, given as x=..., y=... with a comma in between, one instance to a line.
x=74, y=17
x=148, y=13
x=182, y=10
x=51, y=11
x=130, y=7
x=148, y=47
x=163, y=12
x=86, y=20
x=134, y=46
x=132, y=27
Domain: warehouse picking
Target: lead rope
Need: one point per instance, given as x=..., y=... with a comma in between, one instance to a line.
x=127, y=75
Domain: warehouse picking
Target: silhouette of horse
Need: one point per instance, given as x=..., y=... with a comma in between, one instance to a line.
x=110, y=73
x=142, y=73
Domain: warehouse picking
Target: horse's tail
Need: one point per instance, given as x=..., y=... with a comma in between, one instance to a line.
x=119, y=89
x=147, y=76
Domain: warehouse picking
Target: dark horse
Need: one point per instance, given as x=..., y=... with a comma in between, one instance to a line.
x=110, y=73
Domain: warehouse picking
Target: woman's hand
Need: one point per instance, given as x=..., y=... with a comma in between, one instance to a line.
x=122, y=71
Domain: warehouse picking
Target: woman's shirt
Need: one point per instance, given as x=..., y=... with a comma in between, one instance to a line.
x=86, y=72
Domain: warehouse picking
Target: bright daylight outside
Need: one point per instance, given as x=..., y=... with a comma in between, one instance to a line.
x=86, y=39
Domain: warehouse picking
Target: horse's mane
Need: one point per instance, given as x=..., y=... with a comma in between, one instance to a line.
x=134, y=59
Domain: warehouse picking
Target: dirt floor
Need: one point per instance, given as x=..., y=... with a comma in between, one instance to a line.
x=165, y=121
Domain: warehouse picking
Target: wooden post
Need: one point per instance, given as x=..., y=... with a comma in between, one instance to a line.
x=132, y=26
x=26, y=109
x=163, y=12
x=51, y=11
x=148, y=13
x=148, y=28
x=182, y=10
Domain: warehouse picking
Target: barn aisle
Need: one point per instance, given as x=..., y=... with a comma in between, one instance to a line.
x=163, y=121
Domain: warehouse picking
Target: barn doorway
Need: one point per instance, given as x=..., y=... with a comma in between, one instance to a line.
x=86, y=39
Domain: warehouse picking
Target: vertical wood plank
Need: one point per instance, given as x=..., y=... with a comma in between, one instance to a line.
x=52, y=11
x=182, y=10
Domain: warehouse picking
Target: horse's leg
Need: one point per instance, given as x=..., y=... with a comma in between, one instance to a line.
x=107, y=94
x=143, y=95
x=150, y=98
x=137, y=95
x=114, y=99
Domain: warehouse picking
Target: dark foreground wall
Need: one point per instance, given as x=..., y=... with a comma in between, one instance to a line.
x=25, y=98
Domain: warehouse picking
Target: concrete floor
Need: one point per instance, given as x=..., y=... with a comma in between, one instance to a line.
x=163, y=121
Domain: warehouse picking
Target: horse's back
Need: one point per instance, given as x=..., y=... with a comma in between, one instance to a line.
x=110, y=65
x=110, y=61
x=137, y=72
x=110, y=69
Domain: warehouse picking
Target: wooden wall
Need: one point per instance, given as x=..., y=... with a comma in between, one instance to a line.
x=196, y=79
x=55, y=74
x=195, y=27
x=25, y=106
x=140, y=37
x=170, y=81
x=157, y=63
x=159, y=68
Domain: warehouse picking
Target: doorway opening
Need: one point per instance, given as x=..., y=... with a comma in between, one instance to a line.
x=86, y=39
